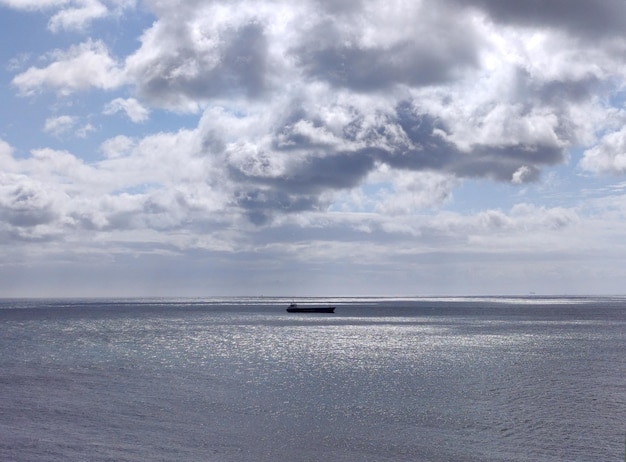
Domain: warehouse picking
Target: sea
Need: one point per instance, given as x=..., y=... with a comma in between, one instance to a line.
x=487, y=379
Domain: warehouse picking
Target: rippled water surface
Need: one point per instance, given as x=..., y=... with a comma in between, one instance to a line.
x=463, y=379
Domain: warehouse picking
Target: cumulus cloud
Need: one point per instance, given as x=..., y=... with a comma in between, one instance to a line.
x=606, y=18
x=130, y=106
x=59, y=125
x=85, y=130
x=71, y=14
x=34, y=4
x=387, y=88
x=79, y=16
x=397, y=44
x=397, y=193
x=301, y=104
x=117, y=146
x=65, y=124
x=358, y=119
x=81, y=67
x=25, y=204
x=53, y=192
x=520, y=174
x=7, y=161
x=185, y=61
x=609, y=156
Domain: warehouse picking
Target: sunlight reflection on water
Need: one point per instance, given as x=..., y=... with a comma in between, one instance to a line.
x=470, y=385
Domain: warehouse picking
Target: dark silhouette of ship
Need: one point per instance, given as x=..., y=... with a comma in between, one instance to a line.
x=294, y=308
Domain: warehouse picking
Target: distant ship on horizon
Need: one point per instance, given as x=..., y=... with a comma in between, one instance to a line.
x=294, y=308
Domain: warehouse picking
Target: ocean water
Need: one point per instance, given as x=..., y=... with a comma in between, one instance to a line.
x=240, y=379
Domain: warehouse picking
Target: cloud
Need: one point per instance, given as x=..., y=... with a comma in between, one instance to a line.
x=53, y=193
x=85, y=130
x=34, y=4
x=521, y=174
x=297, y=112
x=413, y=88
x=117, y=147
x=59, y=125
x=389, y=87
x=81, y=67
x=133, y=109
x=24, y=204
x=312, y=157
x=386, y=46
x=7, y=161
x=606, y=18
x=71, y=14
x=318, y=130
x=609, y=156
x=397, y=193
x=185, y=61
x=79, y=16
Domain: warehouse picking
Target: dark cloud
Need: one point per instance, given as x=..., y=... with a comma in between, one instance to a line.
x=301, y=188
x=185, y=73
x=288, y=137
x=555, y=92
x=434, y=153
x=496, y=163
x=26, y=206
x=589, y=18
x=245, y=60
x=433, y=60
x=422, y=147
x=260, y=204
x=340, y=6
x=338, y=171
x=557, y=96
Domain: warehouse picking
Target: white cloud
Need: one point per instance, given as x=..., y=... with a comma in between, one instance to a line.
x=609, y=156
x=117, y=147
x=520, y=175
x=5, y=149
x=133, y=109
x=8, y=163
x=18, y=62
x=72, y=14
x=79, y=16
x=396, y=193
x=55, y=165
x=81, y=67
x=85, y=130
x=59, y=125
x=144, y=188
x=64, y=124
x=34, y=4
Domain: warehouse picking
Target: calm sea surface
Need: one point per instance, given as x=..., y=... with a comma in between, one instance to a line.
x=465, y=379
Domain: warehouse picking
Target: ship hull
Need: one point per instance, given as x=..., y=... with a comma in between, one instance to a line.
x=311, y=309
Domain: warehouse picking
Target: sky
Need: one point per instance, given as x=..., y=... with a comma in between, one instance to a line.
x=318, y=148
